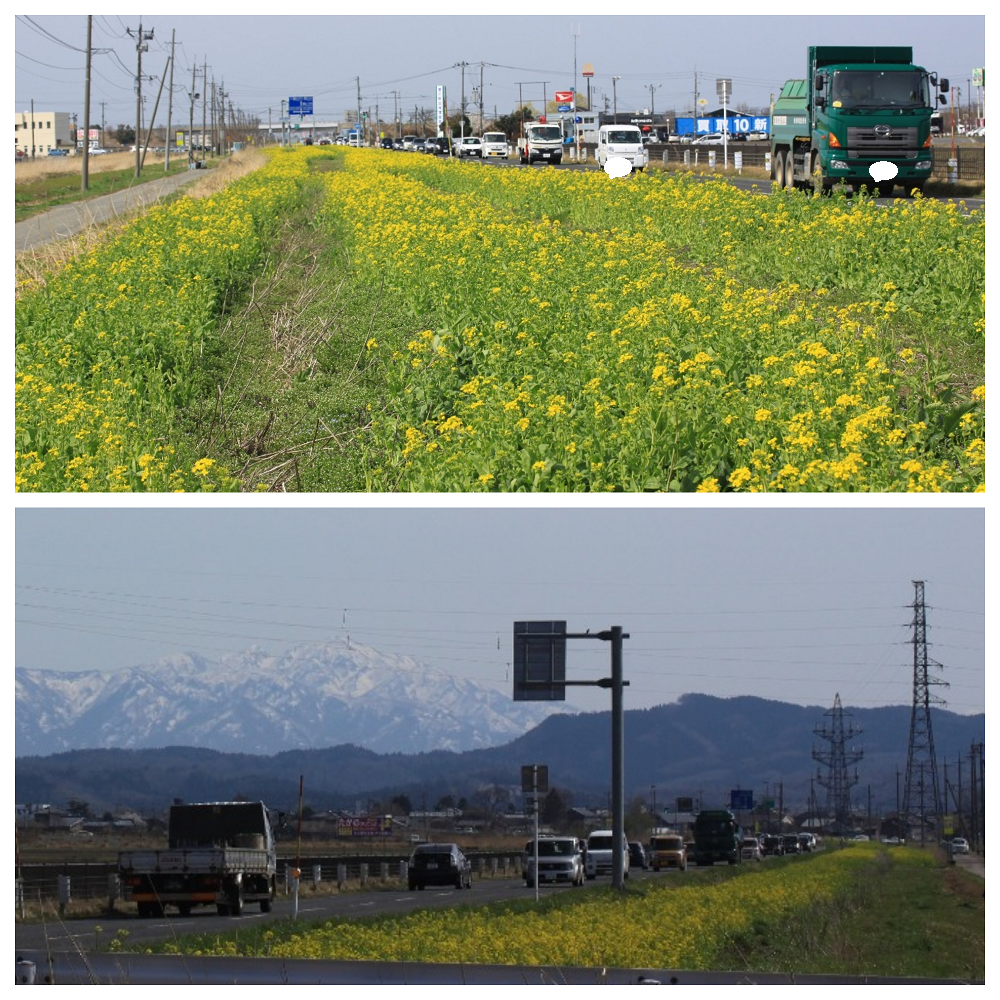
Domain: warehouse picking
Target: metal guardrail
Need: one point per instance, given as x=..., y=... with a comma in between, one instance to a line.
x=45, y=882
x=971, y=159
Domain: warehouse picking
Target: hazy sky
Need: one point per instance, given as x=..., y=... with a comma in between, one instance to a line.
x=792, y=604
x=264, y=59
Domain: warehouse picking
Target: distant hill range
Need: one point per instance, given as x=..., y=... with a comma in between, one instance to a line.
x=312, y=696
x=701, y=747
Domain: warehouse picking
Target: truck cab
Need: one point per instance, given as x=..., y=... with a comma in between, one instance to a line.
x=541, y=141
x=857, y=106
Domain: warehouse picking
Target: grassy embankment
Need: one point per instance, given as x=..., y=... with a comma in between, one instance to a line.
x=859, y=911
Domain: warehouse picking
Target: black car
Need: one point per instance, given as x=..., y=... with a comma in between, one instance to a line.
x=636, y=855
x=790, y=842
x=436, y=145
x=771, y=845
x=439, y=864
x=386, y=143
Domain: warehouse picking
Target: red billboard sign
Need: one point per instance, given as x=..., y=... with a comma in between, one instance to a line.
x=564, y=97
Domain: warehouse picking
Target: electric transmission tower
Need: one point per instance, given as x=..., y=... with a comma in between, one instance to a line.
x=921, y=797
x=838, y=760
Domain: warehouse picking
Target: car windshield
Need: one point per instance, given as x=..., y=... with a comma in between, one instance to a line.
x=879, y=89
x=667, y=844
x=623, y=135
x=555, y=848
x=600, y=843
x=494, y=137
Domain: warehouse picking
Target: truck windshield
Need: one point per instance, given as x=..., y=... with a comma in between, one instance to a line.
x=879, y=89
x=542, y=132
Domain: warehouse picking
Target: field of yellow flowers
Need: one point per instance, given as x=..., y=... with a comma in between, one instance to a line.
x=666, y=333
x=670, y=923
x=564, y=331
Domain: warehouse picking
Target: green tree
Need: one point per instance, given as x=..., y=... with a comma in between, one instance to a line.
x=510, y=124
x=401, y=804
x=456, y=122
x=554, y=807
x=125, y=135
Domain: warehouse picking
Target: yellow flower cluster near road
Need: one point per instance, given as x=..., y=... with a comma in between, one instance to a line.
x=566, y=331
x=675, y=924
x=582, y=333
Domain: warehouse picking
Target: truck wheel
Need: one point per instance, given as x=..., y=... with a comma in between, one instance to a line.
x=265, y=906
x=916, y=186
x=236, y=902
x=778, y=168
x=222, y=909
x=819, y=184
x=185, y=909
x=885, y=188
x=789, y=180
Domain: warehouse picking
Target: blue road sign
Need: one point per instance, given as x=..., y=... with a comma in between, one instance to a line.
x=565, y=107
x=300, y=105
x=741, y=799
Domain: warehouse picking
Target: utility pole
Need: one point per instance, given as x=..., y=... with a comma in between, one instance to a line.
x=921, y=796
x=614, y=90
x=482, y=99
x=141, y=38
x=358, y=122
x=170, y=106
x=461, y=123
x=204, y=101
x=194, y=97
x=576, y=128
x=85, y=168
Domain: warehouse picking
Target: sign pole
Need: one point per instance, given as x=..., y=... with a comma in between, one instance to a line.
x=617, y=758
x=534, y=799
x=540, y=675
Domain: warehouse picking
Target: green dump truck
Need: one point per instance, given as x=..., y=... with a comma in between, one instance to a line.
x=717, y=836
x=859, y=105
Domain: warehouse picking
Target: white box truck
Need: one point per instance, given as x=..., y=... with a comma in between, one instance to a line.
x=624, y=141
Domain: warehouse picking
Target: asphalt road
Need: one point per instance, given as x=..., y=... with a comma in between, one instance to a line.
x=67, y=220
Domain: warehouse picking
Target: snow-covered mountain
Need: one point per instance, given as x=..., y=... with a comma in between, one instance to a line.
x=254, y=702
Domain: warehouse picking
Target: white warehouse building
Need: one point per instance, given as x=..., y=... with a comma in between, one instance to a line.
x=39, y=132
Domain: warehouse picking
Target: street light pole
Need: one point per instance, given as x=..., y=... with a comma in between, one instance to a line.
x=614, y=91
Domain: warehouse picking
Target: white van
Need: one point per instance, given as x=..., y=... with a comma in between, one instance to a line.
x=600, y=856
x=624, y=141
x=495, y=144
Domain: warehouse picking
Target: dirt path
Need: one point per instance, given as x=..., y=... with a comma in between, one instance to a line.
x=67, y=220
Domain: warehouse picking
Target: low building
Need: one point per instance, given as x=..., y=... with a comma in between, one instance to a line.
x=37, y=133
